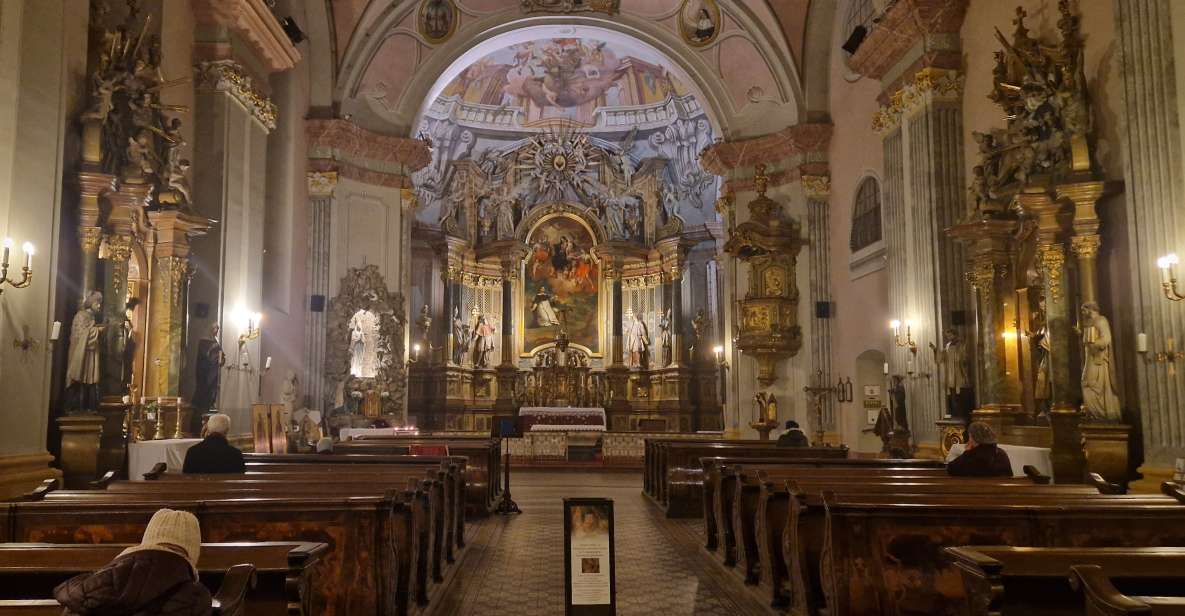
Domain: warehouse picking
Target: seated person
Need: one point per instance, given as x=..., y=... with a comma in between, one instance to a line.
x=982, y=458
x=794, y=436
x=214, y=454
x=159, y=576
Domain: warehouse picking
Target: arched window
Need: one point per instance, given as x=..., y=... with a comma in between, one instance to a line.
x=859, y=14
x=866, y=215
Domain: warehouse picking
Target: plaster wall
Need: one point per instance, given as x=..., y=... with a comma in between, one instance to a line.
x=861, y=303
x=367, y=223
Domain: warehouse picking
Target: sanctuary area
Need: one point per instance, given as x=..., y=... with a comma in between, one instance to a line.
x=586, y=307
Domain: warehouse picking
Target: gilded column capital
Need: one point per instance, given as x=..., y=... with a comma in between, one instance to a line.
x=980, y=274
x=119, y=248
x=816, y=186
x=230, y=77
x=929, y=85
x=409, y=200
x=90, y=238
x=321, y=183
x=1086, y=246
x=1052, y=258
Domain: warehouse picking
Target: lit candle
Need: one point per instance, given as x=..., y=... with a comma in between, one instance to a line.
x=1141, y=342
x=29, y=250
x=56, y=331
x=885, y=368
x=895, y=325
x=267, y=364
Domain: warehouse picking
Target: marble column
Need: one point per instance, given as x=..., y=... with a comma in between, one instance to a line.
x=507, y=371
x=1155, y=189
x=924, y=162
x=321, y=186
x=817, y=189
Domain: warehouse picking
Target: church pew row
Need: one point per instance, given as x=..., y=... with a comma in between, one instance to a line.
x=863, y=553
x=483, y=455
x=282, y=571
x=680, y=491
x=719, y=474
x=494, y=447
x=360, y=574
x=227, y=600
x=654, y=454
x=1009, y=580
x=442, y=527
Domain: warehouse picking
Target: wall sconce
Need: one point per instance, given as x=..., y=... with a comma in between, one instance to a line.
x=844, y=390
x=26, y=271
x=718, y=351
x=1168, y=356
x=415, y=354
x=249, y=325
x=1168, y=277
x=908, y=341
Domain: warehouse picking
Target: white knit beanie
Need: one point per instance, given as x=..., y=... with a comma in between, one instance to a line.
x=172, y=531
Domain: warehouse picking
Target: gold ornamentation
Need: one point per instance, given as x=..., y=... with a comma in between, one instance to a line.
x=1053, y=259
x=980, y=275
x=646, y=281
x=90, y=237
x=321, y=183
x=1086, y=246
x=230, y=77
x=474, y=280
x=725, y=204
x=178, y=266
x=816, y=186
x=119, y=250
x=929, y=85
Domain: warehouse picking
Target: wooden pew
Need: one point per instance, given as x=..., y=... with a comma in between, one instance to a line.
x=227, y=600
x=1008, y=580
x=654, y=459
x=883, y=553
x=434, y=510
x=495, y=450
x=680, y=492
x=366, y=570
x=283, y=570
x=483, y=457
x=718, y=482
x=1103, y=599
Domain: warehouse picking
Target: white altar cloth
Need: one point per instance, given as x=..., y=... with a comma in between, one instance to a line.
x=144, y=455
x=353, y=433
x=1019, y=455
x=560, y=419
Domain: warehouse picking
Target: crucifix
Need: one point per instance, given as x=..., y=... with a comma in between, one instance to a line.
x=817, y=393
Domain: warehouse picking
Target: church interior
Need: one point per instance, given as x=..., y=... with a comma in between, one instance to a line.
x=519, y=307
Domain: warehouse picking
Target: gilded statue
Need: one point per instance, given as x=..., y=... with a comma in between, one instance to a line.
x=1099, y=400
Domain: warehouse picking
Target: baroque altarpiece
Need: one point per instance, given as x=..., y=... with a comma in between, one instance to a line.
x=565, y=248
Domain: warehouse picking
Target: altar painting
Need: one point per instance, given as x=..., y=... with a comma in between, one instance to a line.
x=561, y=282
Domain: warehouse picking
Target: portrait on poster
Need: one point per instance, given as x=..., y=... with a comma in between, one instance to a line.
x=590, y=539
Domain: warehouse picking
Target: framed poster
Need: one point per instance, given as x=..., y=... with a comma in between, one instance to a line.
x=590, y=587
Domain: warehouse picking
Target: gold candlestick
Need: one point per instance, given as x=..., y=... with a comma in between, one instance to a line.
x=178, y=433
x=159, y=434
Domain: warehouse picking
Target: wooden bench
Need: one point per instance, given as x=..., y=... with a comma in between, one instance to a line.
x=1104, y=599
x=367, y=569
x=680, y=493
x=655, y=453
x=1008, y=580
x=482, y=480
x=283, y=570
x=883, y=553
x=491, y=445
x=227, y=600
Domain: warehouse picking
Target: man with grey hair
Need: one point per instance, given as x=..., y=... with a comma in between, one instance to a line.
x=983, y=457
x=214, y=454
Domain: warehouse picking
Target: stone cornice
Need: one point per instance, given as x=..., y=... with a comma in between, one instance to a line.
x=341, y=140
x=252, y=21
x=795, y=144
x=904, y=25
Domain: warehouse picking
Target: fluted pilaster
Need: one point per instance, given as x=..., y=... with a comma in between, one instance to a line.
x=321, y=187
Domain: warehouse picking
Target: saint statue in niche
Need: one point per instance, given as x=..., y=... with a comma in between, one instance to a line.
x=483, y=341
x=1099, y=400
x=364, y=335
x=639, y=343
x=699, y=21
x=460, y=336
x=664, y=336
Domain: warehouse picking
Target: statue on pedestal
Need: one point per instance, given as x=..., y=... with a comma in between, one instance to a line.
x=1099, y=401
x=207, y=376
x=953, y=374
x=460, y=337
x=483, y=342
x=289, y=391
x=1039, y=337
x=82, y=368
x=897, y=398
x=424, y=323
x=639, y=343
x=664, y=336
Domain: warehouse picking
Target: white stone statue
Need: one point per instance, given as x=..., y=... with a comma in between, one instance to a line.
x=506, y=219
x=639, y=343
x=364, y=341
x=1099, y=401
x=289, y=391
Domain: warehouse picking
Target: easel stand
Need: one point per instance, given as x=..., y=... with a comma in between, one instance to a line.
x=506, y=504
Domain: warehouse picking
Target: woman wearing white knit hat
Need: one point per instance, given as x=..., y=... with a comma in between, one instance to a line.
x=158, y=576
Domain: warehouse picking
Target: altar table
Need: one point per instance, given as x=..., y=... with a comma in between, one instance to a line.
x=351, y=433
x=1020, y=456
x=551, y=419
x=144, y=455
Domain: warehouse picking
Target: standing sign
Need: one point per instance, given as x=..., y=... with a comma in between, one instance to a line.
x=589, y=568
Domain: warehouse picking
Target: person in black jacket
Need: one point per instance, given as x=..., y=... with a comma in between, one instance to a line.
x=794, y=436
x=983, y=457
x=156, y=578
x=214, y=454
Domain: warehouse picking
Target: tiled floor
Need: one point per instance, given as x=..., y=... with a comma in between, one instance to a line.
x=514, y=565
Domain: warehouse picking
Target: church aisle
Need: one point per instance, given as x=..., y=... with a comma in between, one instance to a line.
x=515, y=565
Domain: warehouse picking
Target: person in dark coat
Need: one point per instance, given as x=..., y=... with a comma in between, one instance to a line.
x=214, y=454
x=156, y=578
x=982, y=457
x=794, y=436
